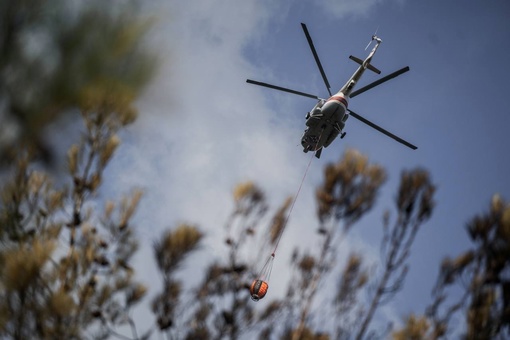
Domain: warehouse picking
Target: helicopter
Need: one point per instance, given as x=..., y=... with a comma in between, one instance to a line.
x=327, y=118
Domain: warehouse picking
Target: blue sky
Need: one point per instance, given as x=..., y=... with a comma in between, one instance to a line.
x=203, y=129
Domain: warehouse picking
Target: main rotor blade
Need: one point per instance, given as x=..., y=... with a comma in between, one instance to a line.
x=380, y=81
x=310, y=42
x=380, y=129
x=282, y=89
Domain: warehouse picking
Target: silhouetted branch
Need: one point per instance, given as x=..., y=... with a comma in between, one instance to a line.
x=414, y=206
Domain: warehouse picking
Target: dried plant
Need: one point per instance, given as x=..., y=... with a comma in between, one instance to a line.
x=65, y=267
x=414, y=205
x=480, y=275
x=415, y=328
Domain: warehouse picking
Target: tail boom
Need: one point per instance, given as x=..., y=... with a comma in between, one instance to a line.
x=368, y=65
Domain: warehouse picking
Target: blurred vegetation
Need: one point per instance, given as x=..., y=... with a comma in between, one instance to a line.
x=474, y=285
x=60, y=55
x=65, y=261
x=66, y=257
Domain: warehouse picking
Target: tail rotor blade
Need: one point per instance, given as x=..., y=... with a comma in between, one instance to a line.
x=316, y=56
x=373, y=38
x=380, y=129
x=279, y=88
x=379, y=82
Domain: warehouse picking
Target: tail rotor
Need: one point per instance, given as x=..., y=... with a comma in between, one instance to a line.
x=374, y=37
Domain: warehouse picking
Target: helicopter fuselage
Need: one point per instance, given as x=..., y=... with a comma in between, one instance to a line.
x=325, y=122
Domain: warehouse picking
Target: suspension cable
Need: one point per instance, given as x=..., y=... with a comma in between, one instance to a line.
x=292, y=207
x=296, y=196
x=265, y=272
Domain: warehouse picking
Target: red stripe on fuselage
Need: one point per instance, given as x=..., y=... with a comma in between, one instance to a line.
x=339, y=99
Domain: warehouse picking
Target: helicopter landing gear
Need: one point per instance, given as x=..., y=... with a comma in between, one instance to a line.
x=308, y=148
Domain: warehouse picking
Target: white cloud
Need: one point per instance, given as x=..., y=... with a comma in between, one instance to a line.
x=343, y=8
